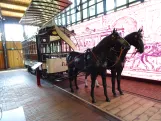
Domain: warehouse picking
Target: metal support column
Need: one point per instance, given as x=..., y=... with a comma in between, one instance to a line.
x=104, y=7
x=81, y=11
x=3, y=40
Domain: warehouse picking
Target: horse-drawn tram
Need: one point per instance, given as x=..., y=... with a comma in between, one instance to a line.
x=52, y=43
x=50, y=46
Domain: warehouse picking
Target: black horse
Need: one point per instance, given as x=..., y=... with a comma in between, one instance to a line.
x=94, y=61
x=135, y=39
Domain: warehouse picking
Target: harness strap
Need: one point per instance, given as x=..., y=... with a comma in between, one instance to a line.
x=95, y=57
x=120, y=53
x=118, y=58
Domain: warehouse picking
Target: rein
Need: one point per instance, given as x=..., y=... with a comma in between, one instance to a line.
x=117, y=59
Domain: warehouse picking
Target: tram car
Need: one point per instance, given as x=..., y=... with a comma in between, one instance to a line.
x=50, y=46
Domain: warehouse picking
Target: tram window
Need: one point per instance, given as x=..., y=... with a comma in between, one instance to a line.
x=63, y=15
x=92, y=10
x=63, y=19
x=100, y=7
x=68, y=13
x=110, y=4
x=121, y=2
x=85, y=13
x=59, y=21
x=56, y=21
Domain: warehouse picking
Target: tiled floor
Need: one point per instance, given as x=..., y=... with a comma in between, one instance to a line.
x=49, y=103
x=46, y=103
x=128, y=107
x=133, y=86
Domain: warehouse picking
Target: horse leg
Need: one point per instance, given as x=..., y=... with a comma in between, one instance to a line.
x=103, y=75
x=70, y=74
x=75, y=79
x=93, y=78
x=86, y=84
x=119, y=81
x=97, y=85
x=113, y=74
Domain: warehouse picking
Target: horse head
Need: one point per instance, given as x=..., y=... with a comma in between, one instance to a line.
x=110, y=41
x=136, y=39
x=119, y=43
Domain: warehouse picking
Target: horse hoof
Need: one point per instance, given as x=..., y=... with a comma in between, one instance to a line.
x=97, y=86
x=77, y=87
x=93, y=101
x=107, y=100
x=115, y=95
x=121, y=93
x=86, y=86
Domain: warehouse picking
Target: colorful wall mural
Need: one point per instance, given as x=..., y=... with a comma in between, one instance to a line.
x=147, y=16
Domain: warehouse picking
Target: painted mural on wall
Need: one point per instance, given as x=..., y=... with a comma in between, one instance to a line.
x=147, y=16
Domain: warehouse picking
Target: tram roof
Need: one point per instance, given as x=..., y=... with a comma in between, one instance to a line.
x=40, y=12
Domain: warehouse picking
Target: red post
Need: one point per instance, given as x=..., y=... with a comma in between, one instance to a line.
x=38, y=77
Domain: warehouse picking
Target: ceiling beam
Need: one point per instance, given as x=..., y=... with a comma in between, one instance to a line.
x=11, y=14
x=0, y=14
x=12, y=10
x=11, y=2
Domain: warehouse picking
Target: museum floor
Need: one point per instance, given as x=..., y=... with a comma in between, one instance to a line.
x=53, y=102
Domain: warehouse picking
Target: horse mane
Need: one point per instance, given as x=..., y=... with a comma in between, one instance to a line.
x=104, y=43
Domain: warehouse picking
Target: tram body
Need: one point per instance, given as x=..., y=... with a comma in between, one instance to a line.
x=50, y=46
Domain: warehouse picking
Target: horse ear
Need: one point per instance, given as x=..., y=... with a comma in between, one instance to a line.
x=114, y=30
x=140, y=30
